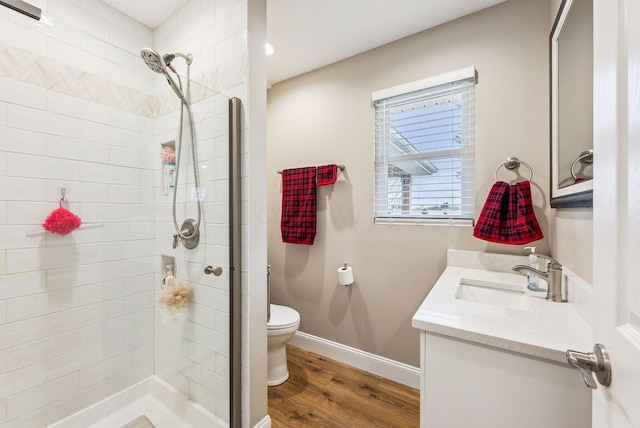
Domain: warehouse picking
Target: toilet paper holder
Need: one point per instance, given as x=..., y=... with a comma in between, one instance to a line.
x=345, y=275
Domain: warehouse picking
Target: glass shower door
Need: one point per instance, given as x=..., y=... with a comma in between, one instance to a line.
x=193, y=348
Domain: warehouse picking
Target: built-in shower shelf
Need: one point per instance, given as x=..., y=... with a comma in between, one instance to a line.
x=164, y=171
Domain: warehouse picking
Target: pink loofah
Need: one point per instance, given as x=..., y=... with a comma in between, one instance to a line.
x=62, y=221
x=168, y=155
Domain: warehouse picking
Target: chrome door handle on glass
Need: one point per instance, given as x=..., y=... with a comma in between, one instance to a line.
x=592, y=362
x=217, y=271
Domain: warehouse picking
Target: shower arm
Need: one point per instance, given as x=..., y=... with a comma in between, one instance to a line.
x=187, y=58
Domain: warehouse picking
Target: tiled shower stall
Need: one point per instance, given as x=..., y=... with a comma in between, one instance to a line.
x=80, y=111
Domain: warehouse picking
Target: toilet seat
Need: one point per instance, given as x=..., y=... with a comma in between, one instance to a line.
x=282, y=318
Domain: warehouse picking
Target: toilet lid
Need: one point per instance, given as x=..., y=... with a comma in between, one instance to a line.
x=282, y=317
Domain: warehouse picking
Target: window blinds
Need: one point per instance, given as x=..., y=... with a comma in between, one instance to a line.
x=424, y=150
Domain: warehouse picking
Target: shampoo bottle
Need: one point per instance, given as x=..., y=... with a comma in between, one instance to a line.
x=169, y=177
x=532, y=278
x=170, y=278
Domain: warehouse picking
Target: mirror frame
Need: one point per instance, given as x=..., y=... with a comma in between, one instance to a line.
x=579, y=194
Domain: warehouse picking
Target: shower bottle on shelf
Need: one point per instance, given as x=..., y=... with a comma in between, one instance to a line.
x=170, y=278
x=169, y=177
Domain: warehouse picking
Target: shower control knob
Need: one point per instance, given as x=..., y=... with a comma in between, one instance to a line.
x=217, y=271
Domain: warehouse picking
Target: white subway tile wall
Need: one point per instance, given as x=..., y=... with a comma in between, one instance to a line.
x=80, y=110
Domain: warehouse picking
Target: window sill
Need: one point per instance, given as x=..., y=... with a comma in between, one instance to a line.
x=464, y=222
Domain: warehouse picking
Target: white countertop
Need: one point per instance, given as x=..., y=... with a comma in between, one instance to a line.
x=545, y=330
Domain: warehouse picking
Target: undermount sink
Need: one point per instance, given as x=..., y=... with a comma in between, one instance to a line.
x=493, y=293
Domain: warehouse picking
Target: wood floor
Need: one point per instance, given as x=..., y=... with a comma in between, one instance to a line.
x=322, y=392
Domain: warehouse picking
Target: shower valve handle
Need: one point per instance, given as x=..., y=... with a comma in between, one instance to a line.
x=217, y=271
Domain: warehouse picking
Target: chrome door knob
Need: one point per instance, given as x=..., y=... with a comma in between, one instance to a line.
x=217, y=271
x=589, y=363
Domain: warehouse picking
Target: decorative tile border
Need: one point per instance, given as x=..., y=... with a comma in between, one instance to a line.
x=28, y=67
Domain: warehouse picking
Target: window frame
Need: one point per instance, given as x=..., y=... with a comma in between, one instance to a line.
x=466, y=218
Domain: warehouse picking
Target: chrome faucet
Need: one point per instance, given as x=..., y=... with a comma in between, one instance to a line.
x=553, y=277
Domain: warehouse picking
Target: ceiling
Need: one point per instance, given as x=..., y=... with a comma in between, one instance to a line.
x=151, y=13
x=309, y=34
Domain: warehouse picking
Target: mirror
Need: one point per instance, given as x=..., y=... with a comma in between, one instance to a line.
x=571, y=48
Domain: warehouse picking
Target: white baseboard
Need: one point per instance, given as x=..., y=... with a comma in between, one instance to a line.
x=381, y=366
x=264, y=423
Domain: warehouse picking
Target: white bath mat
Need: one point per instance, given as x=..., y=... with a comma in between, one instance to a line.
x=141, y=422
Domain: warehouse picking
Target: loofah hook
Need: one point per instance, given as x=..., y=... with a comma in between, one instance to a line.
x=62, y=221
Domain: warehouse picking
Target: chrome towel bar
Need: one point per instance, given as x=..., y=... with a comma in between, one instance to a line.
x=340, y=167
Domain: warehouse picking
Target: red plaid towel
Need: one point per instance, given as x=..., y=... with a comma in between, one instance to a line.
x=298, y=223
x=327, y=174
x=507, y=216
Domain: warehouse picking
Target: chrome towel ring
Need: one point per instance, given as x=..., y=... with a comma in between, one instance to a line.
x=585, y=157
x=513, y=163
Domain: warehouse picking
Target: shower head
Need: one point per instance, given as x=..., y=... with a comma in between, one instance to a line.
x=153, y=60
x=157, y=63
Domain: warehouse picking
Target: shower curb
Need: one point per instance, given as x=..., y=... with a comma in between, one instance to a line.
x=191, y=412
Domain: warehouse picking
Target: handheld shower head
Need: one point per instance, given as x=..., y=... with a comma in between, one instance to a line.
x=153, y=60
x=161, y=64
x=157, y=64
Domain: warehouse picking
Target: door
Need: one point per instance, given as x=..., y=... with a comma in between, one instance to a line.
x=616, y=211
x=196, y=344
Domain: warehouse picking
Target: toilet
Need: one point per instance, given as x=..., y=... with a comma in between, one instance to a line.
x=282, y=325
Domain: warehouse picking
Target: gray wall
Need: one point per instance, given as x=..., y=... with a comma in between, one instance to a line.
x=326, y=117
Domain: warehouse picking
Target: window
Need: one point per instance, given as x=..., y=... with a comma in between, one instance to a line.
x=424, y=144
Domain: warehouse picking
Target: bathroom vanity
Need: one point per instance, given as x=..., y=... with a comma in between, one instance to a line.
x=493, y=353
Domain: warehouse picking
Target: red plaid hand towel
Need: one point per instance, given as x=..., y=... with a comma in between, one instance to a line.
x=507, y=216
x=327, y=174
x=298, y=222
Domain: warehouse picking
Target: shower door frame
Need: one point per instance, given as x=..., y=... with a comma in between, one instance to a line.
x=235, y=272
